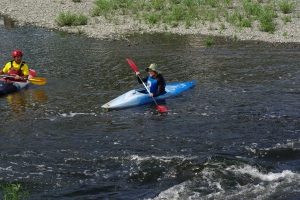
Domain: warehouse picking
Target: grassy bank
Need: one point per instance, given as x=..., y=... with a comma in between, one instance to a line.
x=216, y=17
x=170, y=13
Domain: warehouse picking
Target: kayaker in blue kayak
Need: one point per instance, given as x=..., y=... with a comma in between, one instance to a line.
x=16, y=68
x=155, y=81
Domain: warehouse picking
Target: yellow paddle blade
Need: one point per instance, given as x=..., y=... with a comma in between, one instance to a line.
x=37, y=80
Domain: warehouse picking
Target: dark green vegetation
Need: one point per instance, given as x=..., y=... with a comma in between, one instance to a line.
x=12, y=191
x=209, y=42
x=68, y=19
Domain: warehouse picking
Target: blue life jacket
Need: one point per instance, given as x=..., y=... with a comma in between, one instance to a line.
x=152, y=84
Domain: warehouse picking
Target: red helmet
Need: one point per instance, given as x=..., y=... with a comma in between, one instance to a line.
x=16, y=53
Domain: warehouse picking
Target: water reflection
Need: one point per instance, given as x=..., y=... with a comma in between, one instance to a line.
x=17, y=102
x=6, y=21
x=38, y=96
x=21, y=102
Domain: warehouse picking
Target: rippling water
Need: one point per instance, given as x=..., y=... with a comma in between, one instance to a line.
x=235, y=135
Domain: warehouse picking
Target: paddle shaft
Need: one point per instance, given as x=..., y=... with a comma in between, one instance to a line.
x=11, y=76
x=33, y=80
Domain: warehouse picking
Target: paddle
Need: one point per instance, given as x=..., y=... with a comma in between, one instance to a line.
x=134, y=67
x=33, y=80
x=37, y=80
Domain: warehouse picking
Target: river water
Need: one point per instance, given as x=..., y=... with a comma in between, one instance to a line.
x=234, y=135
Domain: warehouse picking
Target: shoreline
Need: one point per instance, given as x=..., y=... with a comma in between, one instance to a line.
x=30, y=12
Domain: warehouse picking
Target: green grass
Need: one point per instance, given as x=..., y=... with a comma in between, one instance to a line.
x=286, y=19
x=286, y=6
x=13, y=191
x=284, y=34
x=68, y=19
x=209, y=42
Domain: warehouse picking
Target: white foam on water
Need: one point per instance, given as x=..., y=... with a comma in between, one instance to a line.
x=288, y=144
x=36, y=173
x=165, y=159
x=262, y=185
x=254, y=172
x=71, y=114
x=174, y=192
x=208, y=185
x=6, y=169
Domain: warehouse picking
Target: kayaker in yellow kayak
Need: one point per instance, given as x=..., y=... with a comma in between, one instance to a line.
x=16, y=68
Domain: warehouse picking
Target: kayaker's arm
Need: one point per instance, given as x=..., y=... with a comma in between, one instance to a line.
x=159, y=91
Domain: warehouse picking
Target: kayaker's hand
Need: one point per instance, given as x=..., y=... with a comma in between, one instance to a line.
x=17, y=77
x=137, y=73
x=151, y=94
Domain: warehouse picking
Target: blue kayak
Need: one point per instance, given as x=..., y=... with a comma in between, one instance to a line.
x=140, y=96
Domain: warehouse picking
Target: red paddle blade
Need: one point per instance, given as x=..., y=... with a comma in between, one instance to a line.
x=162, y=109
x=132, y=65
